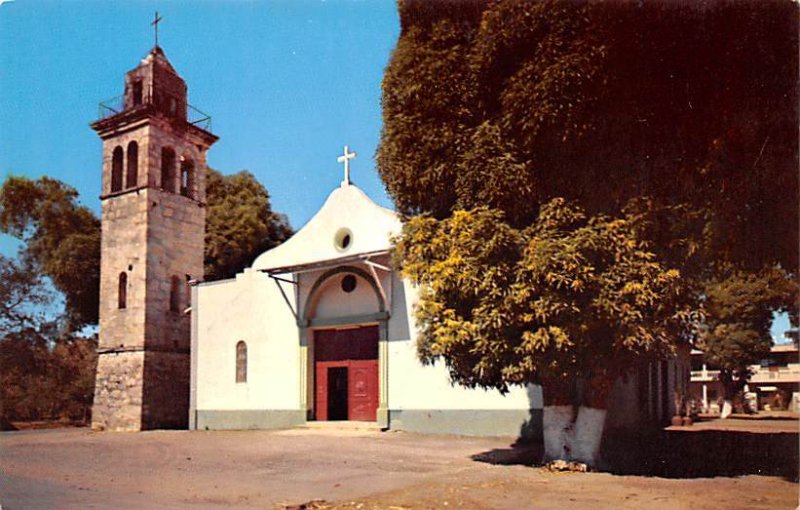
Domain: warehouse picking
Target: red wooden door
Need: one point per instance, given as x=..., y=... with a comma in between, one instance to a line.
x=321, y=397
x=362, y=391
x=357, y=350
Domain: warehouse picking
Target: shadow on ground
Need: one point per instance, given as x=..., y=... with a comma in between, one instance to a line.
x=677, y=454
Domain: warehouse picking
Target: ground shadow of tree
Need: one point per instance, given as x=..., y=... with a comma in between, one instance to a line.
x=677, y=454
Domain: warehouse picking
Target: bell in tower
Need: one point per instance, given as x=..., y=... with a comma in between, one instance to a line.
x=153, y=227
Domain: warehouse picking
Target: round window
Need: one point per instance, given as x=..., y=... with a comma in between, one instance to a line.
x=343, y=239
x=349, y=283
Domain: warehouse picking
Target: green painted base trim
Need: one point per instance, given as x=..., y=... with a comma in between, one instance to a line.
x=249, y=419
x=470, y=422
x=382, y=418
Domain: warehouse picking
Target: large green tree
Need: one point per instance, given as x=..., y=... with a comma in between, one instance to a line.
x=61, y=240
x=509, y=104
x=739, y=308
x=677, y=120
x=240, y=223
x=569, y=298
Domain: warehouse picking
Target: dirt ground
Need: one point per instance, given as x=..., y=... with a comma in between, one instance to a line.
x=352, y=469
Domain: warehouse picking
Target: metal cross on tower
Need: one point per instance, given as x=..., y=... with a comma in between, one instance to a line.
x=345, y=158
x=155, y=24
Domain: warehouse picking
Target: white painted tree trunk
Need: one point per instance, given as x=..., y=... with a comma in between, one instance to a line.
x=588, y=434
x=557, y=431
x=727, y=409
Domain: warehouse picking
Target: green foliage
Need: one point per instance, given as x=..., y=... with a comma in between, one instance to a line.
x=465, y=266
x=569, y=296
x=46, y=377
x=739, y=307
x=240, y=223
x=678, y=145
x=62, y=240
x=510, y=104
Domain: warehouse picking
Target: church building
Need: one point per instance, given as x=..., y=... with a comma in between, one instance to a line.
x=318, y=329
x=321, y=328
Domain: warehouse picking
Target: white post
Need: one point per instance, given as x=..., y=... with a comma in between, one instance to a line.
x=705, y=397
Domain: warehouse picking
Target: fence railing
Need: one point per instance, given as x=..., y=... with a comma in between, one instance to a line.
x=111, y=107
x=116, y=105
x=199, y=118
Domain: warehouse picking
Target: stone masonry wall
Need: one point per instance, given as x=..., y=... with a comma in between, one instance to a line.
x=123, y=248
x=175, y=238
x=118, y=391
x=165, y=390
x=151, y=235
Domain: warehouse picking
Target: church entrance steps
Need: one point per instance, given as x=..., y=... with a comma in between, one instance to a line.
x=342, y=425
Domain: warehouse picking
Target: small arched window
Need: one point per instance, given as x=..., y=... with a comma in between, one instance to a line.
x=175, y=294
x=132, y=174
x=168, y=169
x=122, y=290
x=241, y=362
x=116, y=169
x=187, y=176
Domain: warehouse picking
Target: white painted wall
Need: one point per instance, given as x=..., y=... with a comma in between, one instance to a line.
x=249, y=308
x=330, y=301
x=347, y=207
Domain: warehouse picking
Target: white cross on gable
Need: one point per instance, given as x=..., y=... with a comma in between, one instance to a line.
x=345, y=158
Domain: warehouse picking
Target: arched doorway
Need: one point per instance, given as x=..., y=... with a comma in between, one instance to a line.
x=345, y=316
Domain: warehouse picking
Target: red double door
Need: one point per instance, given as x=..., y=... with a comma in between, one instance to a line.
x=346, y=374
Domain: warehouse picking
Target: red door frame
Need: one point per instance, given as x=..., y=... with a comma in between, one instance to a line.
x=362, y=383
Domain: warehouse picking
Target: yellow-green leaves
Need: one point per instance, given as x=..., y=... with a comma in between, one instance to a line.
x=571, y=293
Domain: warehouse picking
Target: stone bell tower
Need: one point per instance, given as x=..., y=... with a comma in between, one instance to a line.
x=153, y=225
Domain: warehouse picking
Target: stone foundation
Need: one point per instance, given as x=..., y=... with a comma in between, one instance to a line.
x=118, y=391
x=165, y=393
x=141, y=390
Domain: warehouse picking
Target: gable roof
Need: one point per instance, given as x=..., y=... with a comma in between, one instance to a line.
x=348, y=226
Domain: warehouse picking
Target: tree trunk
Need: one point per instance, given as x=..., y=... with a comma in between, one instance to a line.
x=727, y=409
x=557, y=418
x=557, y=432
x=588, y=435
x=591, y=420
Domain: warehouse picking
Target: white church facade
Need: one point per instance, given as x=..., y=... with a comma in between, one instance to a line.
x=322, y=328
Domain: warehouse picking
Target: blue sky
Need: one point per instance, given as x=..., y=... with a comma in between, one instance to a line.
x=288, y=83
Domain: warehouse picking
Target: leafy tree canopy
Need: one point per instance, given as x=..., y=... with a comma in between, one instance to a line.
x=739, y=314
x=676, y=122
x=62, y=240
x=570, y=296
x=510, y=104
x=22, y=297
x=240, y=224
